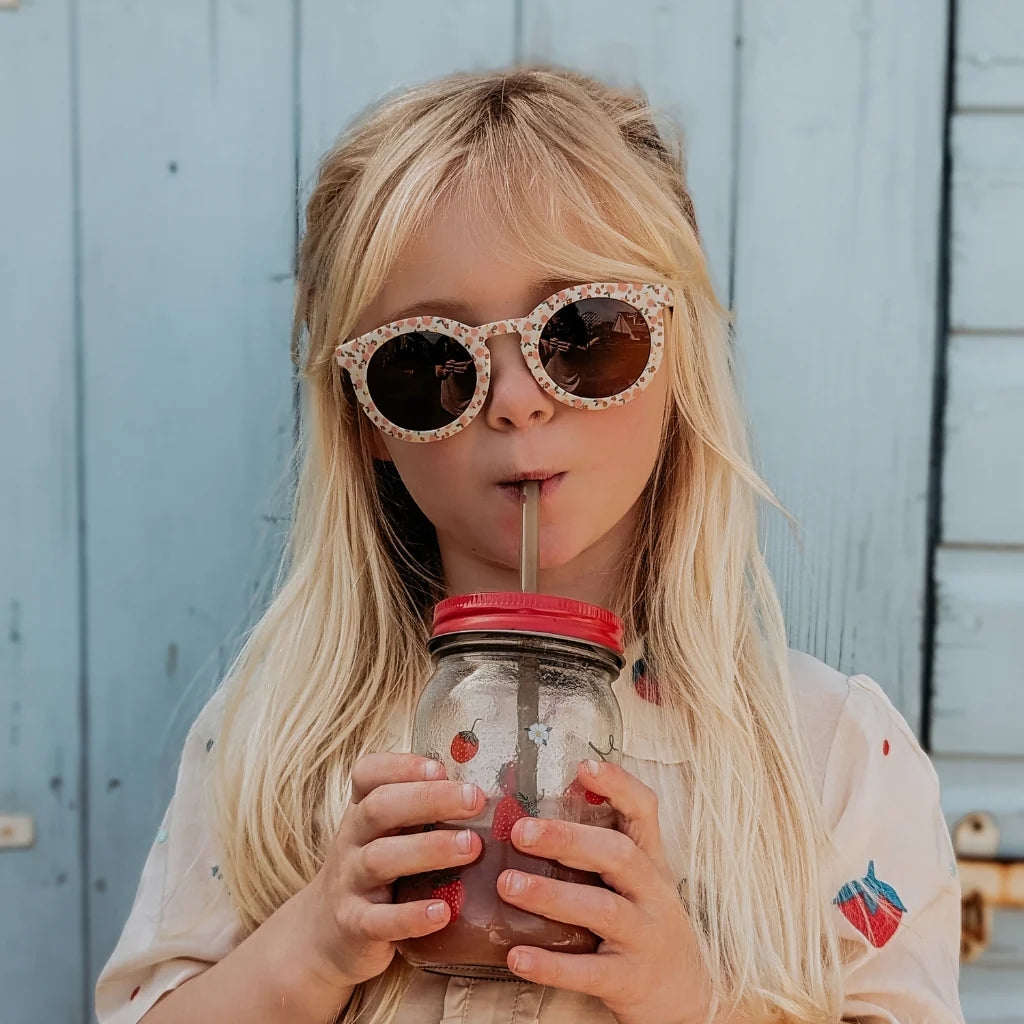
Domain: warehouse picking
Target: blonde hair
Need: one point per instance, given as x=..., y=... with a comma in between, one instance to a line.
x=559, y=156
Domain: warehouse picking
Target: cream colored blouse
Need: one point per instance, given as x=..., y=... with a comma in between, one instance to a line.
x=878, y=788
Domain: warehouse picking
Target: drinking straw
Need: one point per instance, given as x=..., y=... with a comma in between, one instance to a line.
x=528, y=699
x=529, y=554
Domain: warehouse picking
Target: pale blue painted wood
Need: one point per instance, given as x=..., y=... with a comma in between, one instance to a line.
x=386, y=46
x=992, y=784
x=980, y=609
x=989, y=66
x=987, y=222
x=187, y=157
x=983, y=476
x=187, y=146
x=979, y=652
x=837, y=240
x=991, y=995
x=40, y=888
x=681, y=55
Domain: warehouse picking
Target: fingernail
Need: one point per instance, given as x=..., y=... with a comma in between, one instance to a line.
x=432, y=770
x=521, y=962
x=436, y=911
x=592, y=766
x=515, y=883
x=529, y=833
x=463, y=840
x=469, y=794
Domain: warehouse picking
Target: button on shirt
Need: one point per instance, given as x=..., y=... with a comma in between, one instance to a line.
x=880, y=796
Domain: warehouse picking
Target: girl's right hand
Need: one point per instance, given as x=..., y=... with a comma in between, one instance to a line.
x=354, y=923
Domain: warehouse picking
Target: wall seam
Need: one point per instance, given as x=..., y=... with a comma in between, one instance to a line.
x=933, y=526
x=736, y=142
x=78, y=345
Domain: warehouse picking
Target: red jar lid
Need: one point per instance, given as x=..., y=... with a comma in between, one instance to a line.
x=528, y=613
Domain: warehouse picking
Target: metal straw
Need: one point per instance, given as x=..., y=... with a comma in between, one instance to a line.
x=529, y=696
x=529, y=544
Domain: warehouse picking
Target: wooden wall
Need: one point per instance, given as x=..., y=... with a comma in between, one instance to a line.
x=152, y=158
x=978, y=711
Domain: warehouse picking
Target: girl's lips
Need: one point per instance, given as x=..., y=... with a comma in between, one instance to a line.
x=514, y=492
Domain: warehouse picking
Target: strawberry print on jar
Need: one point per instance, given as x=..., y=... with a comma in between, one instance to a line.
x=449, y=887
x=509, y=810
x=871, y=906
x=465, y=744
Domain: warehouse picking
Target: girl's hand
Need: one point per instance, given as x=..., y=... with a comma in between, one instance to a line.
x=353, y=922
x=646, y=968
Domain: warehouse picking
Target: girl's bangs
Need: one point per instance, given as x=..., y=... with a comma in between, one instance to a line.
x=553, y=216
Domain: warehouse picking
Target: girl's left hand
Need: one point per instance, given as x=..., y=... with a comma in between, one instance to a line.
x=646, y=968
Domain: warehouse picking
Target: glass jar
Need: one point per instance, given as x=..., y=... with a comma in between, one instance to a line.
x=521, y=693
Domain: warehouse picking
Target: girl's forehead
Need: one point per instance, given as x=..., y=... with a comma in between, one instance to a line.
x=463, y=264
x=472, y=306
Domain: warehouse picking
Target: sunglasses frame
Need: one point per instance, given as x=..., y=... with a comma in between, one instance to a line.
x=650, y=300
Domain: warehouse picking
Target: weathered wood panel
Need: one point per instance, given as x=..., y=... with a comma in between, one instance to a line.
x=983, y=476
x=40, y=664
x=837, y=239
x=684, y=60
x=990, y=53
x=992, y=784
x=1005, y=952
x=387, y=46
x=979, y=653
x=987, y=222
x=991, y=995
x=981, y=590
x=187, y=144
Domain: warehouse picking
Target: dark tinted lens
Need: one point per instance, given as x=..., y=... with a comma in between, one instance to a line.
x=421, y=380
x=595, y=348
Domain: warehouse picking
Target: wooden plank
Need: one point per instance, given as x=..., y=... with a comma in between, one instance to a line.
x=388, y=46
x=1006, y=950
x=991, y=995
x=986, y=784
x=983, y=472
x=188, y=235
x=40, y=886
x=990, y=53
x=987, y=222
x=836, y=250
x=684, y=59
x=979, y=652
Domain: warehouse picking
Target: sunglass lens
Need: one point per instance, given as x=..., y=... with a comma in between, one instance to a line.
x=595, y=348
x=421, y=380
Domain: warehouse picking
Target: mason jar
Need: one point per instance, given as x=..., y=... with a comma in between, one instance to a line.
x=521, y=693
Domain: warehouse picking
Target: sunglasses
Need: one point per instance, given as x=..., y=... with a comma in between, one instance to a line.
x=590, y=346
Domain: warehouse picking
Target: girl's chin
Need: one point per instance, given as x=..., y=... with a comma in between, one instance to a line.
x=557, y=548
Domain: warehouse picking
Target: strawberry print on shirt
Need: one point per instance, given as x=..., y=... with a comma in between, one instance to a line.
x=871, y=906
x=644, y=683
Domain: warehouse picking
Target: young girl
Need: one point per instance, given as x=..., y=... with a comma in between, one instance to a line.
x=781, y=853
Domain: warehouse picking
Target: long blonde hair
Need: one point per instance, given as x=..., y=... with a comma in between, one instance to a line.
x=561, y=156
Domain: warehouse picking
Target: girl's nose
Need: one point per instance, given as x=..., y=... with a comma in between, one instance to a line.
x=515, y=400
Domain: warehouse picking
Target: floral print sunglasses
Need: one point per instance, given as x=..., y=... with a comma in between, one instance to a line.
x=590, y=346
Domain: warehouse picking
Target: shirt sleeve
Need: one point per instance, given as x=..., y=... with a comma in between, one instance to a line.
x=183, y=919
x=898, y=893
